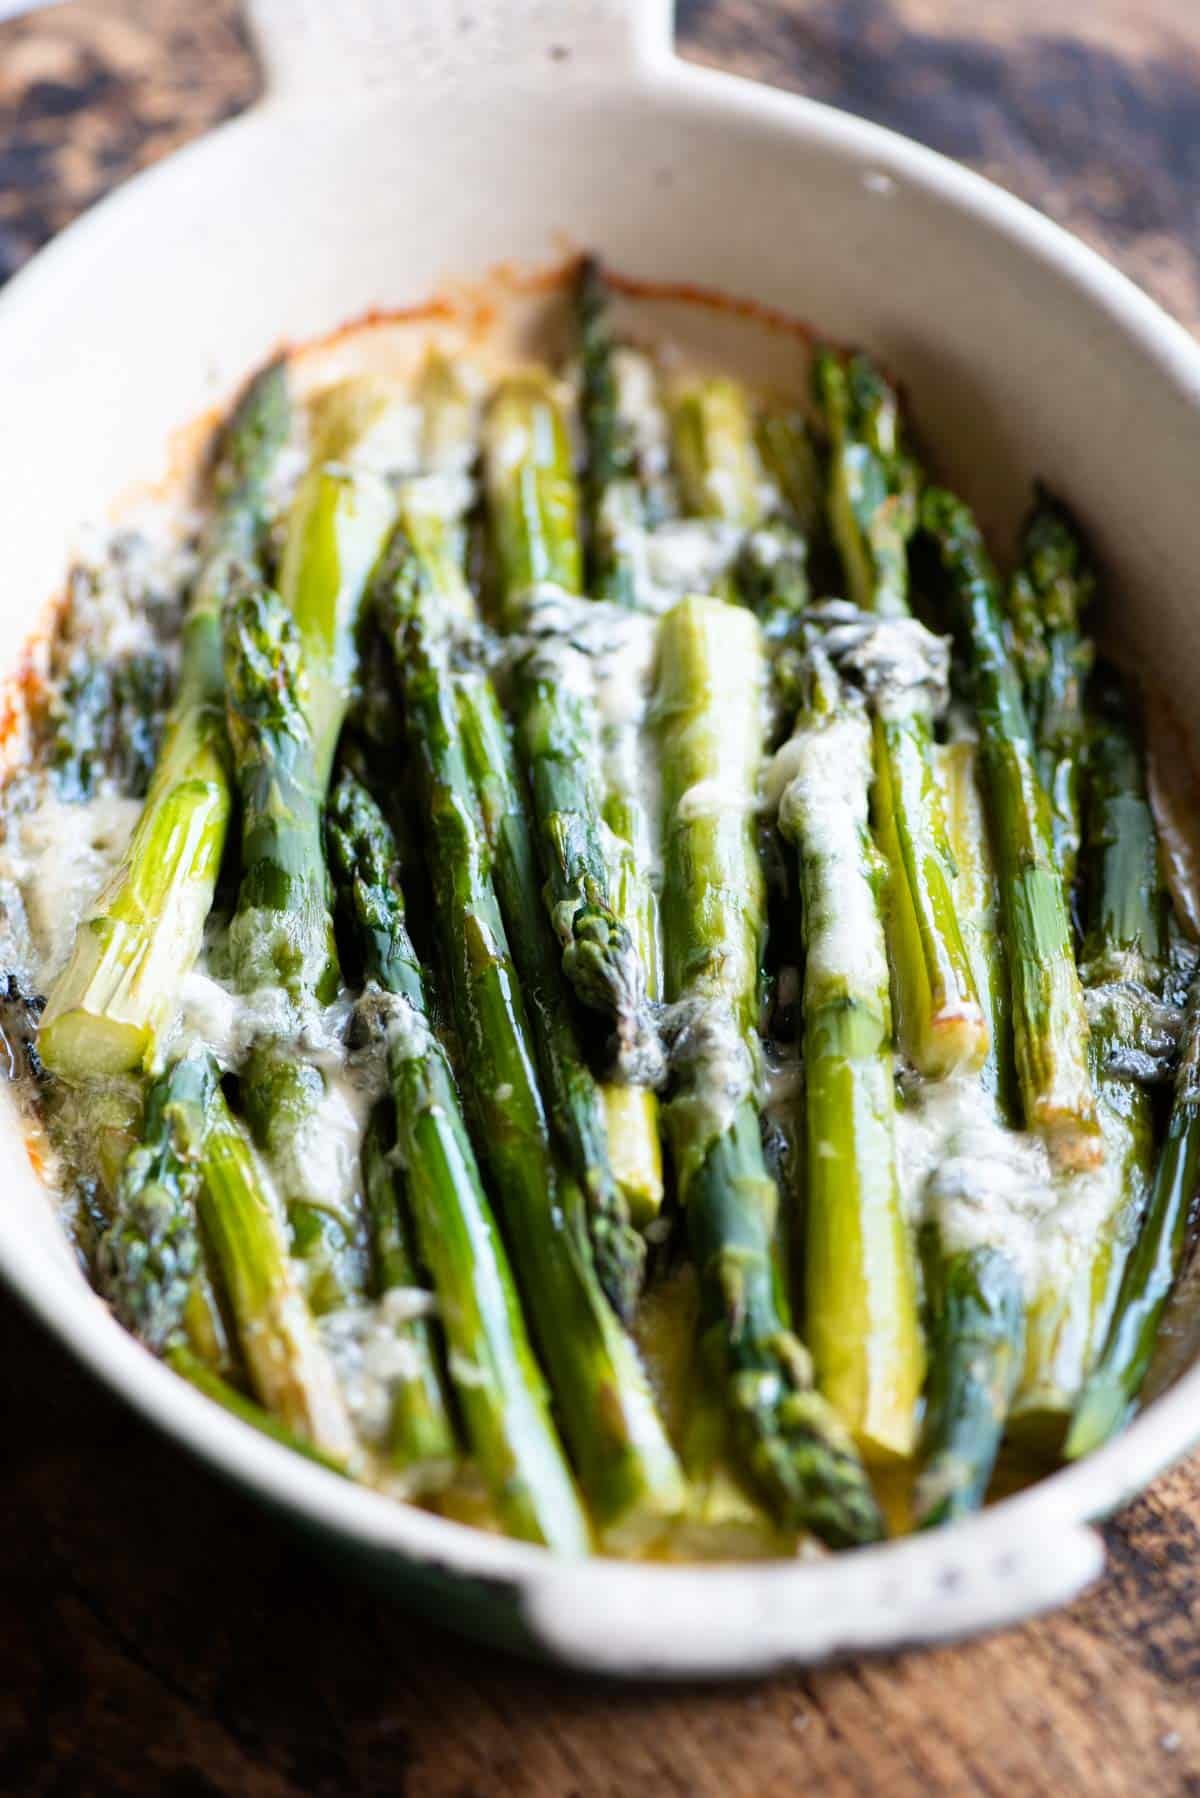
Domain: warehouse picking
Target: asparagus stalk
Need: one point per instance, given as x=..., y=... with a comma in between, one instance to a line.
x=197, y=1372
x=960, y=776
x=444, y=494
x=716, y=460
x=150, y=1261
x=605, y=1143
x=339, y=524
x=281, y=934
x=789, y=456
x=976, y=1302
x=615, y=1156
x=194, y=1158
x=606, y=1148
x=873, y=482
x=1124, y=960
x=108, y=1008
x=1125, y=939
x=421, y=1438
x=617, y=511
x=1049, y=1022
x=975, y=1292
x=872, y=514
x=625, y=1464
x=290, y=667
x=1110, y=1395
x=632, y=1111
x=534, y=508
x=498, y=1385
x=1123, y=966
x=287, y=1363
x=280, y=940
x=1049, y=592
x=612, y=496
x=533, y=497
x=723, y=480
x=860, y=1286
x=449, y=421
x=709, y=710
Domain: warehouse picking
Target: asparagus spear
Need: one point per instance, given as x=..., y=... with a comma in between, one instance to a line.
x=1123, y=966
x=975, y=1291
x=1110, y=1394
x=606, y=1149
x=150, y=1261
x=873, y=481
x=709, y=711
x=194, y=1154
x=1125, y=940
x=861, y=1297
x=723, y=480
x=533, y=497
x=617, y=510
x=721, y=455
x=280, y=940
x=1050, y=590
x=614, y=1156
x=108, y=1008
x=976, y=1301
x=421, y=1438
x=339, y=524
x=287, y=1363
x=1124, y=960
x=716, y=460
x=789, y=456
x=612, y=495
x=197, y=1372
x=625, y=1464
x=535, y=518
x=960, y=776
x=497, y=1382
x=449, y=417
x=872, y=514
x=631, y=842
x=1049, y=1022
x=281, y=934
x=289, y=674
x=604, y=1142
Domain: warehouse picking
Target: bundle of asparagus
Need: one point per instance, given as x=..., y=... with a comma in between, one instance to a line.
x=510, y=753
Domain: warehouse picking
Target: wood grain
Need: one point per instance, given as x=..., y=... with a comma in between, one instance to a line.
x=157, y=1634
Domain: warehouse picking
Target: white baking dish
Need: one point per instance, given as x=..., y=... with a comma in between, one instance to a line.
x=403, y=140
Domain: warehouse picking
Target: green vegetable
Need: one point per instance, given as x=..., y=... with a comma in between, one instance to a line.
x=625, y=1465
x=109, y=1007
x=872, y=514
x=787, y=1439
x=1050, y=1027
x=497, y=1383
x=861, y=1306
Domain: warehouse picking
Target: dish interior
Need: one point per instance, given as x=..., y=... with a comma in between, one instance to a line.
x=944, y=1167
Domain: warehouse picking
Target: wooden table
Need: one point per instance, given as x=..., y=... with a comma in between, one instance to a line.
x=157, y=1634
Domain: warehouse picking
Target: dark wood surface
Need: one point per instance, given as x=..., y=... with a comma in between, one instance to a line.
x=158, y=1635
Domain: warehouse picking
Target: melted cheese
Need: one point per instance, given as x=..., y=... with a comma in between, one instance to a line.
x=54, y=859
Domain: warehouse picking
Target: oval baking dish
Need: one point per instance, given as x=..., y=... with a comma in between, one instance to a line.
x=364, y=179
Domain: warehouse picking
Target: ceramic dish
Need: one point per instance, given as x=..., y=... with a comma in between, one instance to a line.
x=403, y=141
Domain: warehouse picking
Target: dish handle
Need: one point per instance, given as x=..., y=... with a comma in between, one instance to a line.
x=310, y=47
